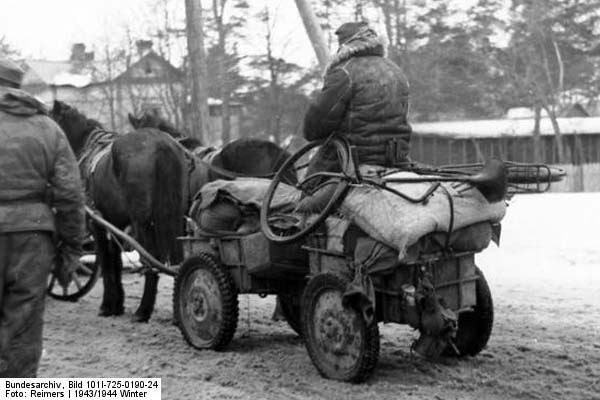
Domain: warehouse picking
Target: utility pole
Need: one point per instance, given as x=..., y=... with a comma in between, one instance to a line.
x=197, y=61
x=315, y=33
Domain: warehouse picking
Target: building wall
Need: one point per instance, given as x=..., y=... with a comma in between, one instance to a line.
x=111, y=103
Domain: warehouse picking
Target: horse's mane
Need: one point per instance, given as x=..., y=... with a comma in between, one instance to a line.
x=93, y=124
x=190, y=143
x=170, y=129
x=152, y=120
x=62, y=110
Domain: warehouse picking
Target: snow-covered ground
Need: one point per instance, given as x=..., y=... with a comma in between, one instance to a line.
x=545, y=279
x=551, y=239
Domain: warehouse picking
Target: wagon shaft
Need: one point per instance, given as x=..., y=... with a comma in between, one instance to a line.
x=144, y=254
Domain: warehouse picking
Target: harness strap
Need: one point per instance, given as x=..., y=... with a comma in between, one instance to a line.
x=96, y=146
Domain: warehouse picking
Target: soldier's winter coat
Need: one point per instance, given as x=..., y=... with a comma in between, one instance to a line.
x=38, y=171
x=365, y=99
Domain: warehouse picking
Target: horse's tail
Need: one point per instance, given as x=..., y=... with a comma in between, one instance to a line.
x=167, y=202
x=152, y=185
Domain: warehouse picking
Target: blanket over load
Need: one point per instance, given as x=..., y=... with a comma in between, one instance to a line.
x=399, y=223
x=233, y=205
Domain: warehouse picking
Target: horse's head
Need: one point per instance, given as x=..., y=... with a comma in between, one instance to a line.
x=76, y=126
x=153, y=120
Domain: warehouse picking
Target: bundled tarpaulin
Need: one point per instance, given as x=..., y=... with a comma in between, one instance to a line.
x=400, y=223
x=234, y=205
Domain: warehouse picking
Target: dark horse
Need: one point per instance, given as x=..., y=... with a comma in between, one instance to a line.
x=135, y=179
x=241, y=157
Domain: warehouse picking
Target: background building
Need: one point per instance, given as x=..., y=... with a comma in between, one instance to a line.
x=108, y=90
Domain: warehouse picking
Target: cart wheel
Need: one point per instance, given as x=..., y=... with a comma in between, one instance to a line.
x=83, y=280
x=291, y=310
x=205, y=303
x=475, y=326
x=339, y=342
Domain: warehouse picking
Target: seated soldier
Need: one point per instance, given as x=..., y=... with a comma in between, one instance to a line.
x=364, y=99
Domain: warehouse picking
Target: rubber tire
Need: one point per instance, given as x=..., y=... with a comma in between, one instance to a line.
x=229, y=301
x=291, y=312
x=368, y=354
x=475, y=327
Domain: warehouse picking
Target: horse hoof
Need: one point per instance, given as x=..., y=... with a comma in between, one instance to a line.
x=103, y=313
x=140, y=318
x=108, y=312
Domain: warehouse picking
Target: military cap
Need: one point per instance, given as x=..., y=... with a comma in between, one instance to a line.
x=10, y=71
x=349, y=29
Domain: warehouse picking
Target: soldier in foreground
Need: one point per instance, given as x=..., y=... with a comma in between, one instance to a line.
x=41, y=220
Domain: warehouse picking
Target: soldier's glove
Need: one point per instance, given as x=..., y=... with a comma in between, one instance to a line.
x=67, y=263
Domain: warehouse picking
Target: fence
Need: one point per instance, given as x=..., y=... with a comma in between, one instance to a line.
x=580, y=178
x=439, y=150
x=583, y=152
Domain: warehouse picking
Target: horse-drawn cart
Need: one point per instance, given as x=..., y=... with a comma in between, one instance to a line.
x=341, y=257
x=338, y=278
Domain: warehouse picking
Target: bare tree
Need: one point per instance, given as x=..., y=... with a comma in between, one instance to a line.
x=314, y=31
x=110, y=90
x=197, y=62
x=225, y=27
x=174, y=92
x=275, y=122
x=273, y=89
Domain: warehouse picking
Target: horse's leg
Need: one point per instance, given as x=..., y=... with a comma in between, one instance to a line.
x=146, y=307
x=115, y=252
x=144, y=311
x=110, y=262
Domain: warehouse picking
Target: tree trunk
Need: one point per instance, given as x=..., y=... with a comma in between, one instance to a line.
x=314, y=31
x=537, y=153
x=562, y=156
x=197, y=60
x=224, y=92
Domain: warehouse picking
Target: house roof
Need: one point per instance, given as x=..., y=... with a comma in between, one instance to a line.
x=66, y=73
x=506, y=127
x=152, y=58
x=58, y=73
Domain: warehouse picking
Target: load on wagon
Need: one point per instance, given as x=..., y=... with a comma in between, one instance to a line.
x=345, y=251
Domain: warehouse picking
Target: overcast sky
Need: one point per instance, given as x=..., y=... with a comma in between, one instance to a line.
x=46, y=29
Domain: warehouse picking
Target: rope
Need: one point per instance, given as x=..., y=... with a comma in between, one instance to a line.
x=451, y=221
